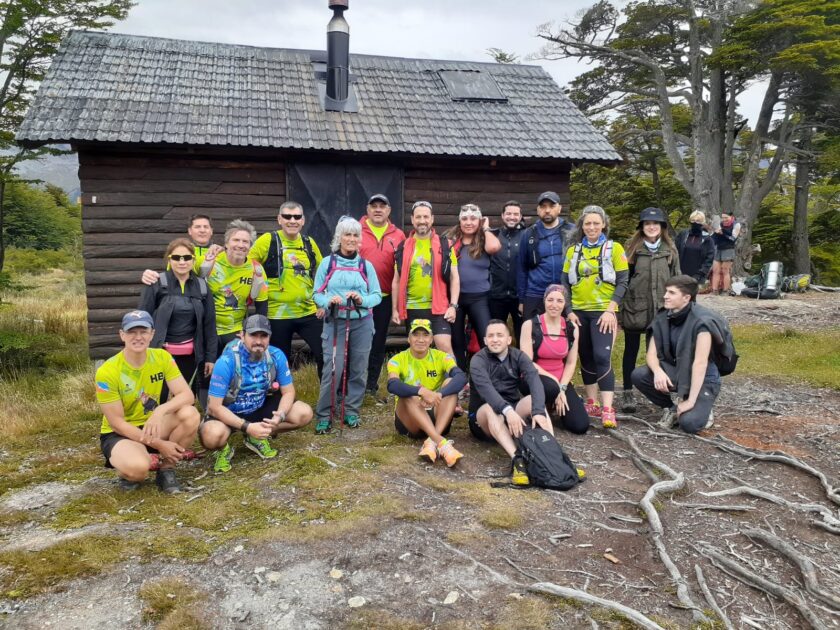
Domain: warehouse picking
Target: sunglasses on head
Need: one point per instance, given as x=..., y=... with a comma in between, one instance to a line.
x=291, y=217
x=181, y=257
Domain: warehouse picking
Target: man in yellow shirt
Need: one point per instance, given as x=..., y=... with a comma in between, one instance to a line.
x=139, y=431
x=290, y=260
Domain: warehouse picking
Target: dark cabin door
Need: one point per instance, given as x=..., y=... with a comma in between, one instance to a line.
x=328, y=191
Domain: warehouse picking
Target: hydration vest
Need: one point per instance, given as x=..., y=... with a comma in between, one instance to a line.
x=606, y=269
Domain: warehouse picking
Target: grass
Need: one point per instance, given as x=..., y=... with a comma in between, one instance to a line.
x=173, y=603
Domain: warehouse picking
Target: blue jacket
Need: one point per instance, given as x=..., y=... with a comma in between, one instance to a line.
x=346, y=277
x=551, y=246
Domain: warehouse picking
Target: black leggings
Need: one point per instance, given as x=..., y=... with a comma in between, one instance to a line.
x=476, y=306
x=309, y=328
x=186, y=364
x=595, y=351
x=632, y=341
x=575, y=419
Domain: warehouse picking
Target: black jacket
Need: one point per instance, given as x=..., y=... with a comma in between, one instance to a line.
x=497, y=382
x=697, y=253
x=503, y=263
x=160, y=303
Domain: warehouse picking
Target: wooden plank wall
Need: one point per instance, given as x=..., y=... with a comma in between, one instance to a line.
x=134, y=204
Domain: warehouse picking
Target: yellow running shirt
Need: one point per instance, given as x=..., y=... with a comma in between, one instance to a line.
x=420, y=274
x=290, y=296
x=429, y=372
x=231, y=288
x=137, y=388
x=590, y=293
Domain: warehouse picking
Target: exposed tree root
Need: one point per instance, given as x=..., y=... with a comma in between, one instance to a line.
x=806, y=566
x=586, y=598
x=741, y=573
x=710, y=598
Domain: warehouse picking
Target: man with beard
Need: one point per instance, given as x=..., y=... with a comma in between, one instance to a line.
x=504, y=298
x=542, y=252
x=243, y=396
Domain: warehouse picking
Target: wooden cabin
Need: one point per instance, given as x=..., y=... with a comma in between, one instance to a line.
x=167, y=128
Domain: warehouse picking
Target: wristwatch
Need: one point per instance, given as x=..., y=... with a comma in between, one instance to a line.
x=454, y=305
x=564, y=387
x=244, y=427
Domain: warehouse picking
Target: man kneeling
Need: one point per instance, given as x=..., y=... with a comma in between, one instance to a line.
x=140, y=432
x=678, y=359
x=240, y=398
x=497, y=410
x=426, y=383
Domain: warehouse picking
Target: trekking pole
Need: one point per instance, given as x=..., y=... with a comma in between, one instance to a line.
x=334, y=388
x=350, y=305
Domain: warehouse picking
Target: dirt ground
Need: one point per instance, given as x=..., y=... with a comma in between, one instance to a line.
x=441, y=564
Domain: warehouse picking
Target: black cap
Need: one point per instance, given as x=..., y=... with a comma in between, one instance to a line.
x=653, y=214
x=257, y=323
x=548, y=195
x=379, y=197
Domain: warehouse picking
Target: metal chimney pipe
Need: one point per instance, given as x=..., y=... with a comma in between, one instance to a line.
x=338, y=56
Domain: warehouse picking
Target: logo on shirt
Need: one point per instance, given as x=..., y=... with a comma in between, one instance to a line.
x=230, y=298
x=431, y=373
x=245, y=280
x=154, y=378
x=149, y=403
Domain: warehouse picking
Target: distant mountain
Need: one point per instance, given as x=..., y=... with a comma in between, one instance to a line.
x=59, y=170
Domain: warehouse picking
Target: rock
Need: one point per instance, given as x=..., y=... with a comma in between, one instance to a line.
x=515, y=596
x=259, y=570
x=238, y=548
x=356, y=602
x=405, y=556
x=451, y=598
x=336, y=574
x=274, y=577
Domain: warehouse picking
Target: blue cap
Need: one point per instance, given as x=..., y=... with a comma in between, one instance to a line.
x=133, y=319
x=548, y=195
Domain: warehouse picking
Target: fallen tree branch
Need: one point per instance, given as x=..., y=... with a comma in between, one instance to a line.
x=580, y=596
x=720, y=508
x=776, y=456
x=805, y=564
x=520, y=569
x=710, y=598
x=741, y=573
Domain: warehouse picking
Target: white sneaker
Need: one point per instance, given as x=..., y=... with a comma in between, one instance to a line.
x=711, y=420
x=669, y=418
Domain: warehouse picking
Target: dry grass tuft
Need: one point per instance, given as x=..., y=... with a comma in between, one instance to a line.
x=174, y=603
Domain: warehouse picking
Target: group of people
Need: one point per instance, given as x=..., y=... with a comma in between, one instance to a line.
x=566, y=287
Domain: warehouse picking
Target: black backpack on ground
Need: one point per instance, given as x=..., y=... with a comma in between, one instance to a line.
x=548, y=466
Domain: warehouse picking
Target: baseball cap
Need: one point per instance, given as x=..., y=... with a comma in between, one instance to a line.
x=257, y=323
x=548, y=195
x=136, y=319
x=379, y=197
x=420, y=324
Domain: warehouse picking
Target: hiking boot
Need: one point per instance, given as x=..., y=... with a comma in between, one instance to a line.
x=608, y=420
x=629, y=404
x=223, y=459
x=374, y=397
x=166, y=481
x=352, y=421
x=669, y=418
x=154, y=461
x=450, y=454
x=711, y=421
x=519, y=475
x=260, y=446
x=126, y=485
x=323, y=427
x=593, y=409
x=428, y=450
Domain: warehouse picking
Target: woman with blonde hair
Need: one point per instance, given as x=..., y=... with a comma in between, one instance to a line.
x=696, y=249
x=473, y=243
x=653, y=260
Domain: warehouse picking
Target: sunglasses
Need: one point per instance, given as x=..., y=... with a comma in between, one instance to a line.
x=418, y=204
x=292, y=217
x=181, y=257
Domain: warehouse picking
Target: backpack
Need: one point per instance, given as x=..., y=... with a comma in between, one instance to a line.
x=532, y=242
x=273, y=265
x=333, y=267
x=723, y=349
x=606, y=270
x=547, y=464
x=446, y=268
x=798, y=283
x=537, y=333
x=202, y=284
x=770, y=283
x=236, y=383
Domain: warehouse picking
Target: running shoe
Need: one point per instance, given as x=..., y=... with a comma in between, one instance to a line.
x=519, y=475
x=608, y=418
x=223, y=459
x=261, y=447
x=353, y=421
x=593, y=409
x=711, y=421
x=166, y=481
x=126, y=485
x=323, y=427
x=581, y=473
x=669, y=418
x=629, y=404
x=450, y=454
x=428, y=450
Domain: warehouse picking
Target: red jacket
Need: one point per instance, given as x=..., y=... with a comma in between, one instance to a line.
x=380, y=254
x=440, y=290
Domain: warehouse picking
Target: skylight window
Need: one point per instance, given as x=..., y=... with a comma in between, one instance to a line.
x=471, y=85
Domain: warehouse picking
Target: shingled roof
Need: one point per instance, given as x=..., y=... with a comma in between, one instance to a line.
x=107, y=87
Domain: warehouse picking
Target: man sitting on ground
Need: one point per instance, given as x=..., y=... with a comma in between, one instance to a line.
x=678, y=359
x=497, y=410
x=241, y=387
x=140, y=432
x=426, y=382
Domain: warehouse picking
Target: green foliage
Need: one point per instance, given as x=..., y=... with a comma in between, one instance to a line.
x=26, y=262
x=35, y=219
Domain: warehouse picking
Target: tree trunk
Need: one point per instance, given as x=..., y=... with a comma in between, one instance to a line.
x=801, y=249
x=2, y=223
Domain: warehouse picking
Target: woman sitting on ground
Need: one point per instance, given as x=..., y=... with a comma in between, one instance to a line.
x=185, y=317
x=550, y=340
x=346, y=286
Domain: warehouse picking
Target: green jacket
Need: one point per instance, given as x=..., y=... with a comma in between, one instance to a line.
x=644, y=297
